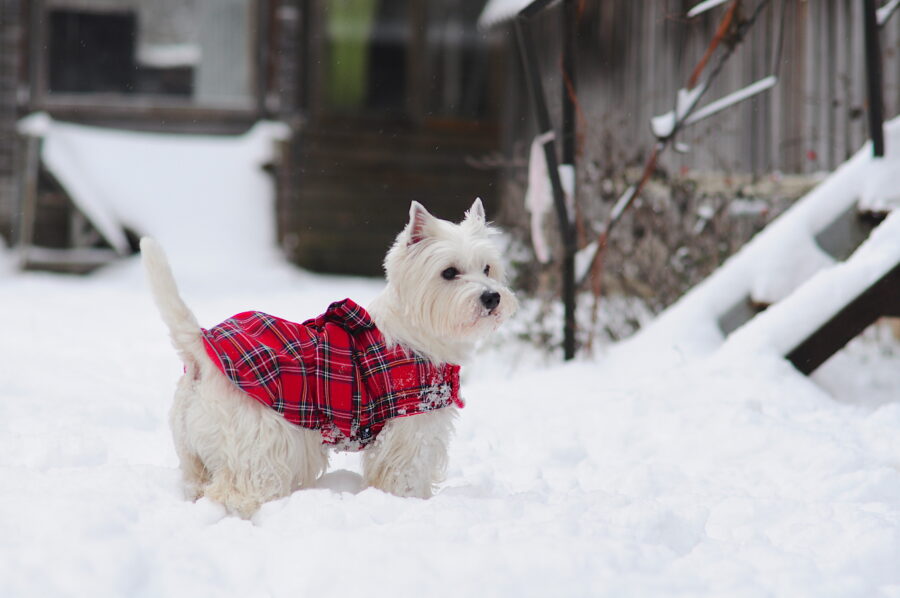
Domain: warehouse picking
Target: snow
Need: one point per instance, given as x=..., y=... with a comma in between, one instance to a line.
x=880, y=190
x=663, y=125
x=674, y=464
x=163, y=186
x=567, y=182
x=685, y=100
x=63, y=160
x=784, y=325
x=732, y=99
x=622, y=203
x=166, y=56
x=884, y=13
x=497, y=11
x=777, y=261
x=606, y=477
x=584, y=259
x=704, y=6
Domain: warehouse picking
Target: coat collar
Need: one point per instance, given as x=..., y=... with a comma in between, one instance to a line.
x=350, y=315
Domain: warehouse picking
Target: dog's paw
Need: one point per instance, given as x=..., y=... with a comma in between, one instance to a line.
x=402, y=483
x=235, y=502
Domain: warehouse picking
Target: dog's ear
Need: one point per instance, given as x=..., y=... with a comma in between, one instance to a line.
x=476, y=212
x=419, y=219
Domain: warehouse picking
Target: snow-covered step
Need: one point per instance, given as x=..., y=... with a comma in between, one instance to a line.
x=813, y=236
x=838, y=240
x=832, y=307
x=847, y=232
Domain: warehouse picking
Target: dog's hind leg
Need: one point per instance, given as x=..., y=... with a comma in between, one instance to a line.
x=252, y=453
x=193, y=470
x=194, y=474
x=280, y=463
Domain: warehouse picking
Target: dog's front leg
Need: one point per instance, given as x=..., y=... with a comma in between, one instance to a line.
x=409, y=457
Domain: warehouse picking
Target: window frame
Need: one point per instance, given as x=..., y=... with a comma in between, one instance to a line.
x=143, y=105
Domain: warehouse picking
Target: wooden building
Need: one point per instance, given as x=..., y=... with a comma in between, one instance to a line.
x=388, y=101
x=397, y=100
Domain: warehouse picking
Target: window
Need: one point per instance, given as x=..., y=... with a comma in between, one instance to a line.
x=456, y=60
x=192, y=52
x=406, y=57
x=367, y=45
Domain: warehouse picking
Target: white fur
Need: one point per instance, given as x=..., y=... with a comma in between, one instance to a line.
x=241, y=453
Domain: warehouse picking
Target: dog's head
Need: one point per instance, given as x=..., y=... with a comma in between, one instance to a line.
x=449, y=278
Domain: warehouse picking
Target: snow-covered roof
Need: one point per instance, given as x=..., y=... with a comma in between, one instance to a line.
x=497, y=11
x=183, y=189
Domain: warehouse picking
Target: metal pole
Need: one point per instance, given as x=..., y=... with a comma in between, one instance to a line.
x=568, y=85
x=566, y=226
x=873, y=78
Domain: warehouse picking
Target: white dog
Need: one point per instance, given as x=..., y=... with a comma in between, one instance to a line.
x=262, y=398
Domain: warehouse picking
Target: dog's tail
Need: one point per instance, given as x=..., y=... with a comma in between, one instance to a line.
x=183, y=326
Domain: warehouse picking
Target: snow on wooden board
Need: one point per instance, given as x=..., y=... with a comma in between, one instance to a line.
x=63, y=157
x=785, y=324
x=184, y=189
x=777, y=260
x=880, y=189
x=663, y=125
x=704, y=6
x=685, y=100
x=884, y=13
x=731, y=99
x=497, y=11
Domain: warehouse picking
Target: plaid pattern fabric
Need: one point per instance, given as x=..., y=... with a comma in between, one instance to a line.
x=332, y=373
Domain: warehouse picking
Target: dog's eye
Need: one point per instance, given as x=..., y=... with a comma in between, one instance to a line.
x=487, y=270
x=450, y=273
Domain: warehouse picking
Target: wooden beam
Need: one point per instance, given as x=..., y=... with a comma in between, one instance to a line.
x=880, y=299
x=28, y=197
x=569, y=129
x=873, y=77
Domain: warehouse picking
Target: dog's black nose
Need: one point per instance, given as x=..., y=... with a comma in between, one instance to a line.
x=490, y=299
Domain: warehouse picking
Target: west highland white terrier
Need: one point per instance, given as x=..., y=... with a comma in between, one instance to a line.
x=262, y=399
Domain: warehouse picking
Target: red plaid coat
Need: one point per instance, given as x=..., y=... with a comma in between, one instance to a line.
x=332, y=373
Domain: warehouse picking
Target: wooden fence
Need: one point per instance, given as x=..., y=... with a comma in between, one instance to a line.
x=634, y=55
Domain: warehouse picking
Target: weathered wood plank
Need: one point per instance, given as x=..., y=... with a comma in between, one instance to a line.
x=880, y=299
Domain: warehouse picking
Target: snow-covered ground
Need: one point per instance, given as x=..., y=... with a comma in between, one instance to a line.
x=612, y=476
x=668, y=465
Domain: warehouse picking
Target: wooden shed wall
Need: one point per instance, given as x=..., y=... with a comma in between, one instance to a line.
x=10, y=32
x=354, y=185
x=634, y=56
